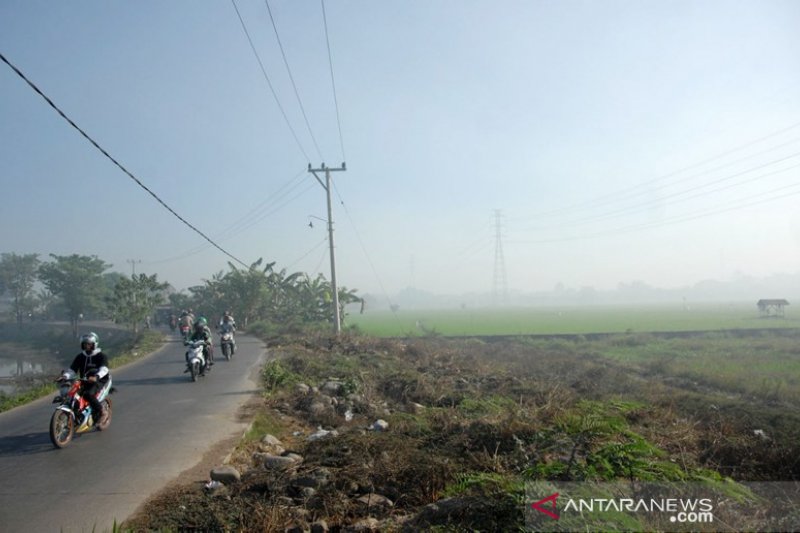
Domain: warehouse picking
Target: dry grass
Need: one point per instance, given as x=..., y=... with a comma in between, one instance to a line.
x=469, y=423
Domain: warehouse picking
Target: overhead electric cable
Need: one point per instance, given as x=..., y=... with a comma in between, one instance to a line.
x=333, y=81
x=243, y=222
x=319, y=263
x=363, y=248
x=632, y=193
x=616, y=195
x=645, y=205
x=269, y=83
x=117, y=163
x=683, y=218
x=256, y=214
x=320, y=243
x=296, y=92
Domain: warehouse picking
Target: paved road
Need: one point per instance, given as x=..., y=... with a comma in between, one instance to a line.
x=162, y=425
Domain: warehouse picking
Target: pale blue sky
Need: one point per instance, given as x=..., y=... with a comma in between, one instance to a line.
x=622, y=140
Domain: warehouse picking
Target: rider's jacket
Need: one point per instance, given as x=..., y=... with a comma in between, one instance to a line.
x=201, y=334
x=96, y=360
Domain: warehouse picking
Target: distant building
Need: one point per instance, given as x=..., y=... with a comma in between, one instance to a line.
x=771, y=308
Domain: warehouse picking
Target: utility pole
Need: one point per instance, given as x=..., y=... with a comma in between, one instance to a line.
x=337, y=319
x=133, y=265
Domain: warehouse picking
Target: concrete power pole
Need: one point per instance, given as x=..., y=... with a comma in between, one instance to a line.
x=337, y=319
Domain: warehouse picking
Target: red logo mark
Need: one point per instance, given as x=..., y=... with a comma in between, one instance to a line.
x=539, y=506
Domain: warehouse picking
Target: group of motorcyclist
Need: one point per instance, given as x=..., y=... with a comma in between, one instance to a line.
x=91, y=364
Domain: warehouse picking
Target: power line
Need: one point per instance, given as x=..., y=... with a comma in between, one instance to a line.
x=613, y=196
x=105, y=153
x=363, y=248
x=643, y=206
x=296, y=92
x=633, y=193
x=333, y=81
x=247, y=220
x=320, y=243
x=269, y=83
x=684, y=218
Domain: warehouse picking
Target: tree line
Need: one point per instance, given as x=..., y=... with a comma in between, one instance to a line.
x=73, y=287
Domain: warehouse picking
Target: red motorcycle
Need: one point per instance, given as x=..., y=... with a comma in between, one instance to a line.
x=74, y=414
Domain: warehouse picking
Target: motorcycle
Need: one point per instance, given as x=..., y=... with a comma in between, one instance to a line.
x=226, y=343
x=186, y=331
x=195, y=359
x=173, y=323
x=74, y=413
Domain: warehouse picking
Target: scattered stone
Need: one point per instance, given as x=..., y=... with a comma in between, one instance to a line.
x=318, y=408
x=367, y=524
x=225, y=474
x=296, y=457
x=416, y=408
x=375, y=500
x=322, y=433
x=316, y=480
x=320, y=526
x=271, y=440
x=216, y=489
x=332, y=388
x=380, y=425
x=278, y=462
x=302, y=388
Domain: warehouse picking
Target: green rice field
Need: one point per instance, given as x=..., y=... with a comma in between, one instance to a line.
x=569, y=320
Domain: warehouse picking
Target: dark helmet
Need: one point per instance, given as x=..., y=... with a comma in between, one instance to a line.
x=90, y=342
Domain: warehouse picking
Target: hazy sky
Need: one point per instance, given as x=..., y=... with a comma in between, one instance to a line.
x=619, y=140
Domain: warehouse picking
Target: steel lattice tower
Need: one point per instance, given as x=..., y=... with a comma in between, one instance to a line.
x=499, y=282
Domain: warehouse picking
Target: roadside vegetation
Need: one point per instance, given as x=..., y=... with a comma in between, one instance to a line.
x=446, y=434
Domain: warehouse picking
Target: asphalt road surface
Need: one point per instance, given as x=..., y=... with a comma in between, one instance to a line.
x=162, y=424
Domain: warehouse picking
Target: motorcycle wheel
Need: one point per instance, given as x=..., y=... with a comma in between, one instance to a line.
x=194, y=370
x=105, y=421
x=226, y=351
x=62, y=428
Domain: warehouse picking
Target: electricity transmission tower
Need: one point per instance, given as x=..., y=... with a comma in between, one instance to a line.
x=499, y=282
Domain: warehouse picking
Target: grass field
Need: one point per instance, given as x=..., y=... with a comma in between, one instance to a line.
x=568, y=320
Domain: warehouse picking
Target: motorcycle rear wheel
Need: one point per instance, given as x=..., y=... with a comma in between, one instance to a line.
x=62, y=428
x=105, y=421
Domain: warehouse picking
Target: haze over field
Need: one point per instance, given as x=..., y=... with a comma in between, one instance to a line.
x=592, y=143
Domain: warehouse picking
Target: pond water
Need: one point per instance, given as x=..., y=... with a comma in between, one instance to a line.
x=13, y=368
x=18, y=364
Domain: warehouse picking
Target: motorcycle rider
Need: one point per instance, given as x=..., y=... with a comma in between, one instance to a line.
x=228, y=324
x=92, y=364
x=187, y=320
x=203, y=333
